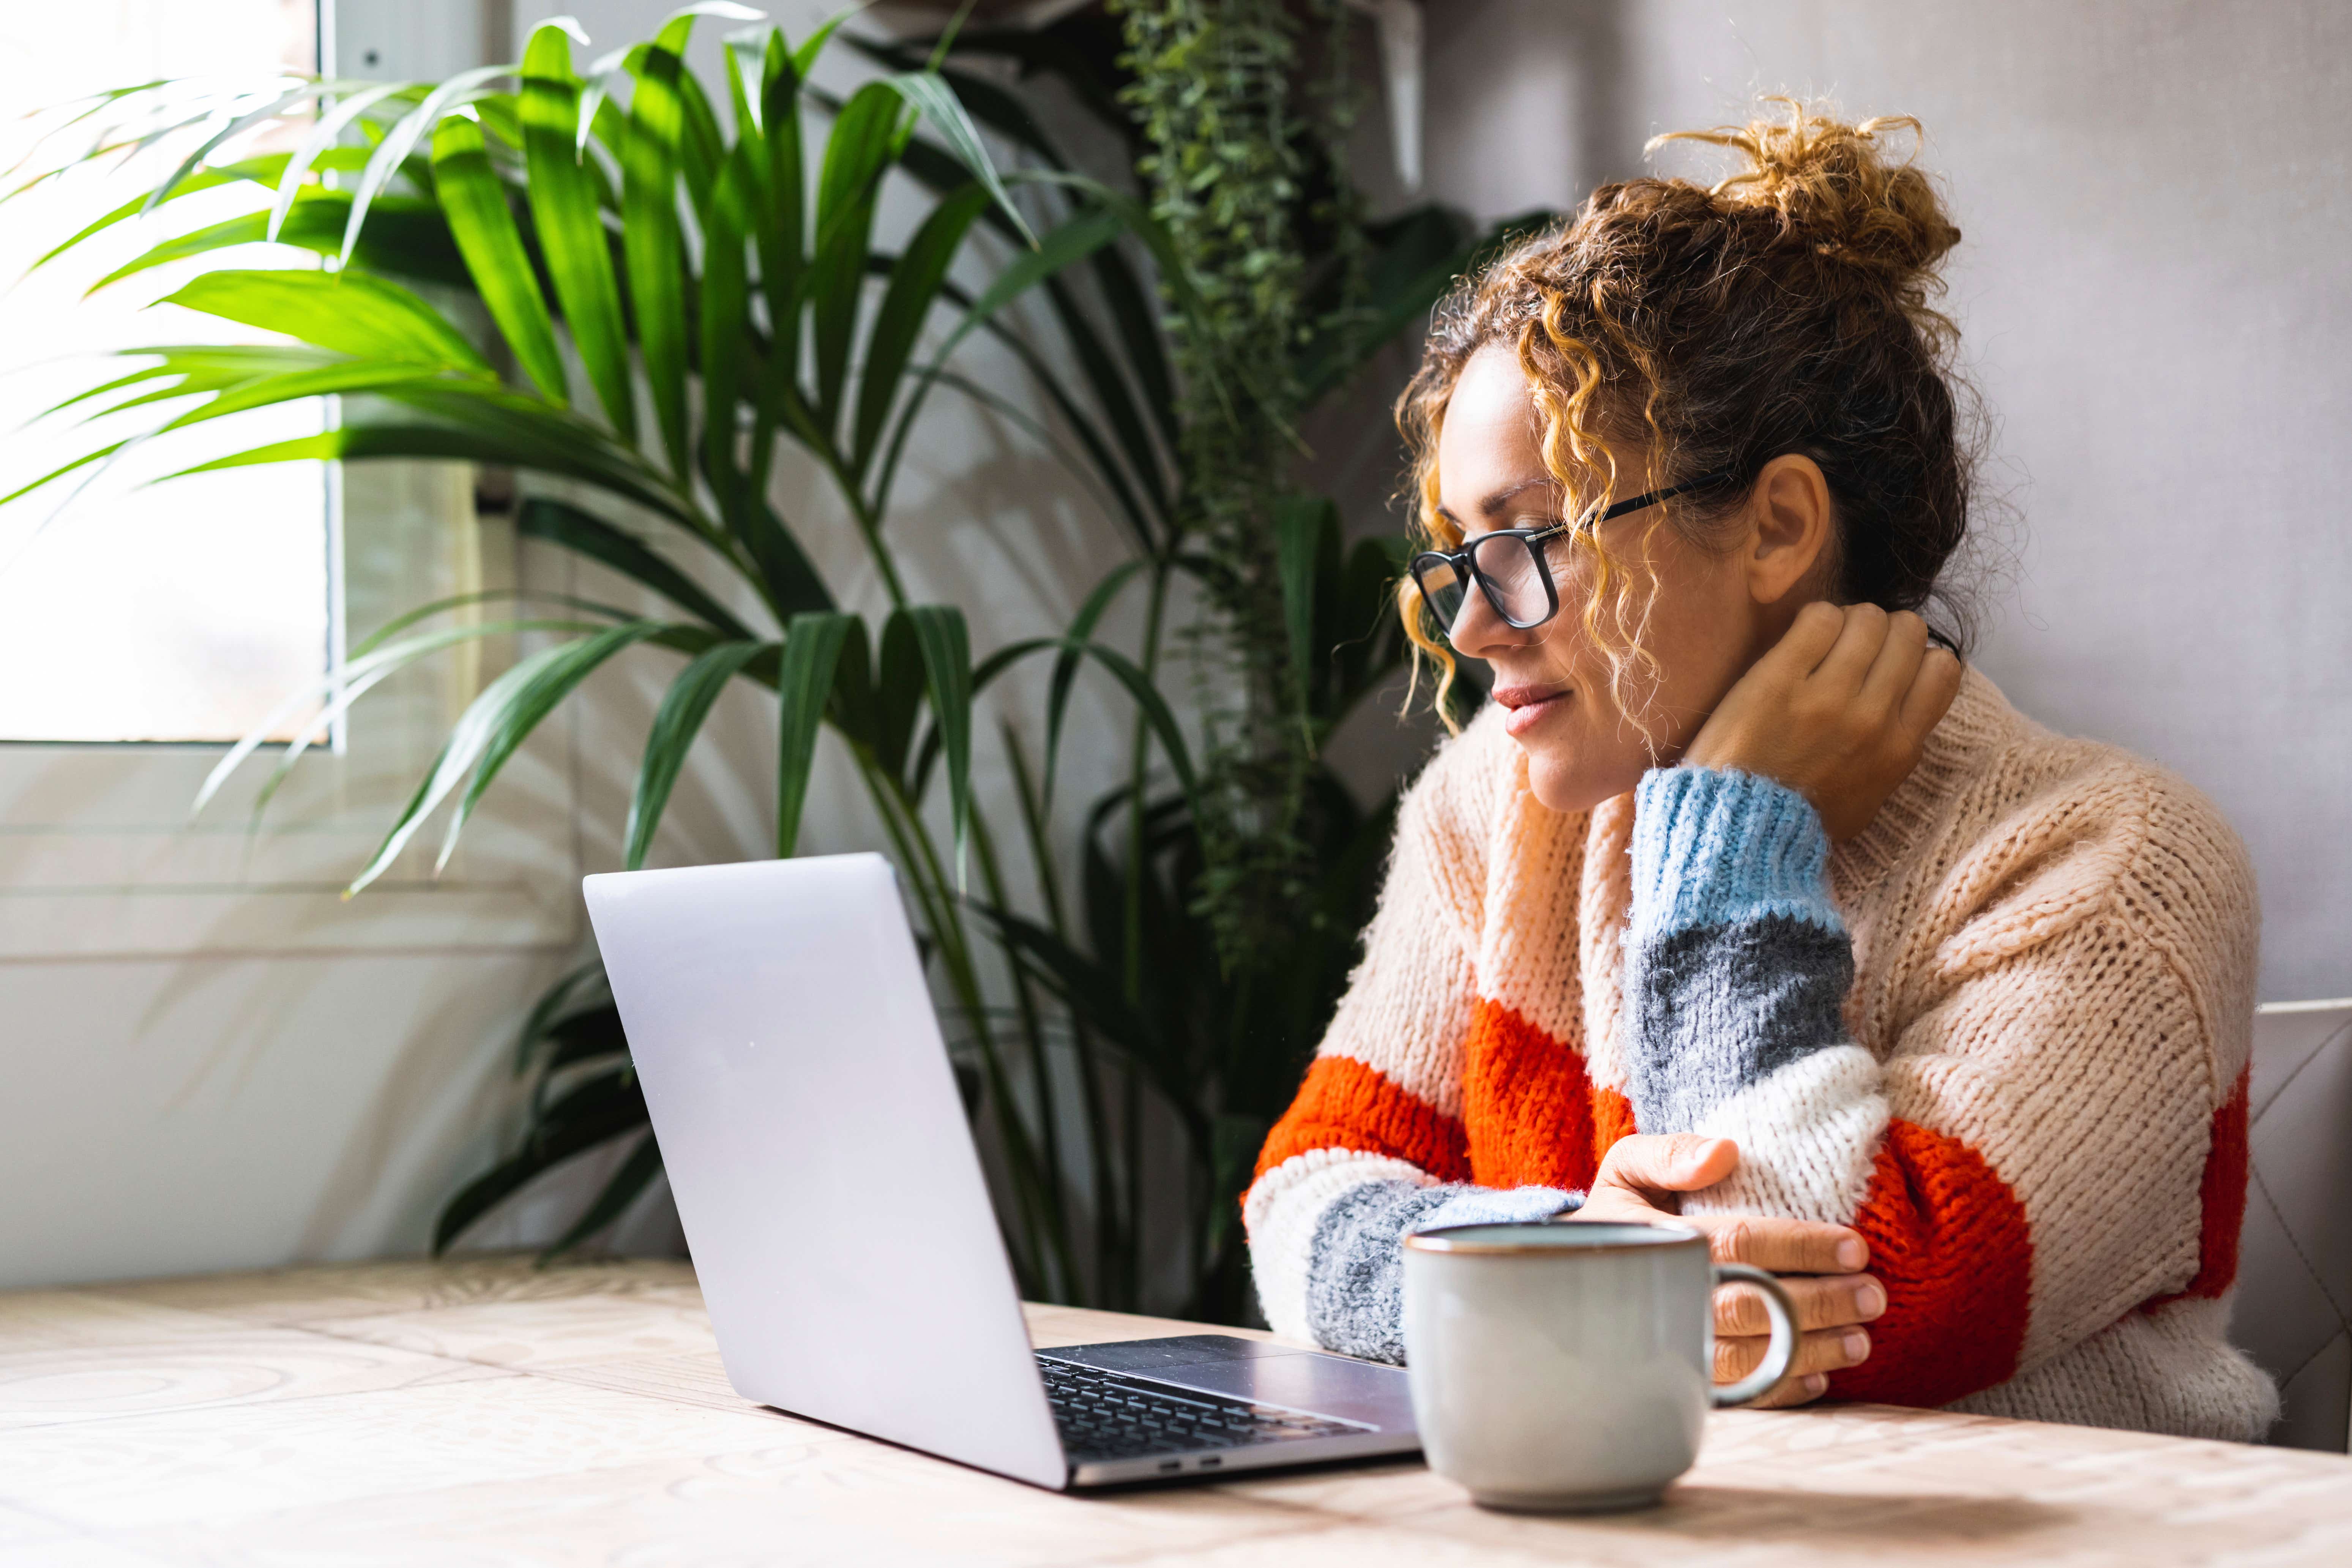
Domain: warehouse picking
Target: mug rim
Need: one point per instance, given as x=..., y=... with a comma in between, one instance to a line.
x=1451, y=1240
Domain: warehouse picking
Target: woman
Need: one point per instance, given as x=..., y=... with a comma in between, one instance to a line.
x=1741, y=900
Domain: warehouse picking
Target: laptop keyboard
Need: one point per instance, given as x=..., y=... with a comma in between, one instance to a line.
x=1106, y=1416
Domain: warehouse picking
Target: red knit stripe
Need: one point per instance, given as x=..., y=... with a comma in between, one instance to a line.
x=1612, y=1118
x=1344, y=1104
x=2222, y=1201
x=1526, y=1102
x=1948, y=1240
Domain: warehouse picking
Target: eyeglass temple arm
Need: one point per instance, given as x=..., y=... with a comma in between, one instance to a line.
x=1636, y=503
x=1934, y=634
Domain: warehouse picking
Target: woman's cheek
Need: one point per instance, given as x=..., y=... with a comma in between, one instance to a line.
x=1575, y=764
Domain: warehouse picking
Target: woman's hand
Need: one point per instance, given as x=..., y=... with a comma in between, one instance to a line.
x=1838, y=711
x=1638, y=1179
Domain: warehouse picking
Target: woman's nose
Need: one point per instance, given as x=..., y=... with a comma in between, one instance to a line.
x=1479, y=633
x=1459, y=633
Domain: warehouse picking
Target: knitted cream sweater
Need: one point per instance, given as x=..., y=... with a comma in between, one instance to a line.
x=2003, y=1033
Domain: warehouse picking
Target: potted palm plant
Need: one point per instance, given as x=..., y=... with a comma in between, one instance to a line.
x=673, y=291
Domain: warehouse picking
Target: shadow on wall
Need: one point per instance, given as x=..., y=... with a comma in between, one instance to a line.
x=1558, y=120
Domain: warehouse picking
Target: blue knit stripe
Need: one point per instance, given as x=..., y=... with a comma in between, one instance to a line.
x=1716, y=847
x=1500, y=1205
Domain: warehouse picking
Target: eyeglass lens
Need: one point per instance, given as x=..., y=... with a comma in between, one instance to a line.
x=1512, y=568
x=1442, y=590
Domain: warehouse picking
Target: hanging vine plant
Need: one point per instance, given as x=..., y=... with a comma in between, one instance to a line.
x=1218, y=96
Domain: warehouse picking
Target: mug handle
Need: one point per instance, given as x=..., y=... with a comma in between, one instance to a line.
x=1783, y=1350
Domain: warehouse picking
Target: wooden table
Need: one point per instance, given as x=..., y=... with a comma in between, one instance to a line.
x=486, y=1412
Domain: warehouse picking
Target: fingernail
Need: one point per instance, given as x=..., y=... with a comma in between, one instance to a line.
x=1870, y=1298
x=1855, y=1344
x=1851, y=1253
x=1816, y=1383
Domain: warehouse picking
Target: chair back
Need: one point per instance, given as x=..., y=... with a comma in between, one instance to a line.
x=2292, y=1312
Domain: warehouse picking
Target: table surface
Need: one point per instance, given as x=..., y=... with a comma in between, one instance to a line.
x=485, y=1411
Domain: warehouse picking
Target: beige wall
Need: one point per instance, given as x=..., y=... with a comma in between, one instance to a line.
x=2155, y=294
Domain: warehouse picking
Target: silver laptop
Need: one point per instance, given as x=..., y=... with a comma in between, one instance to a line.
x=833, y=1201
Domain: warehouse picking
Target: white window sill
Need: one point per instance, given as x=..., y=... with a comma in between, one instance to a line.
x=273, y=920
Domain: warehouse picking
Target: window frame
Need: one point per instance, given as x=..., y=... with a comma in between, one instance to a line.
x=99, y=853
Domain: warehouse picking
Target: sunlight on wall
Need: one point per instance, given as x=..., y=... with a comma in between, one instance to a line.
x=182, y=612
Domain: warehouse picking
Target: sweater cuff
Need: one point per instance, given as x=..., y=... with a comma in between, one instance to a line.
x=1716, y=847
x=1493, y=1206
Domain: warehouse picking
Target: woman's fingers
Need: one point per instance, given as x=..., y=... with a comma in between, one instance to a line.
x=1782, y=1246
x=1896, y=670
x=1932, y=690
x=1843, y=668
x=1668, y=1162
x=1792, y=1392
x=1806, y=643
x=1824, y=1351
x=1835, y=1301
x=1646, y=1162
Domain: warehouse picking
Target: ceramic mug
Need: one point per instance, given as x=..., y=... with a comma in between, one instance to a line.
x=1567, y=1366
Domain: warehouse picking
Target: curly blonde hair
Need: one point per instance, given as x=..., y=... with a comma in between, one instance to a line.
x=1785, y=309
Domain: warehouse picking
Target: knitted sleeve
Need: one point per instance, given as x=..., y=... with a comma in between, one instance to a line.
x=2037, y=1155
x=1373, y=1147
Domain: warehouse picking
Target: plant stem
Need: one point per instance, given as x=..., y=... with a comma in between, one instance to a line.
x=1040, y=1068
x=869, y=528
x=1139, y=762
x=1083, y=1042
x=941, y=916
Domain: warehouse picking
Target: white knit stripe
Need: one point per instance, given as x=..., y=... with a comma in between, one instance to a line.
x=1408, y=1004
x=2170, y=1370
x=2119, y=1124
x=1280, y=1213
x=1532, y=877
x=1409, y=1027
x=1604, y=904
x=1808, y=1137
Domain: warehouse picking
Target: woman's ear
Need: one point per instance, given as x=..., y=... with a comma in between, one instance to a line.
x=1791, y=522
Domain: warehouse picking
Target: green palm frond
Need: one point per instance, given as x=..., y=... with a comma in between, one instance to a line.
x=641, y=292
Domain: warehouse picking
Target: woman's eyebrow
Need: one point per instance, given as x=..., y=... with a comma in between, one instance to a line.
x=1501, y=498
x=1493, y=504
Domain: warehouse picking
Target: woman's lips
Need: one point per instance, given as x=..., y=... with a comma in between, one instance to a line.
x=1529, y=704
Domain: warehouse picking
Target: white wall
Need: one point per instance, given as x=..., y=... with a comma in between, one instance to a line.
x=2156, y=296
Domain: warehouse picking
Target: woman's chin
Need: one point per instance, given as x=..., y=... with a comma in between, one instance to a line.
x=1563, y=781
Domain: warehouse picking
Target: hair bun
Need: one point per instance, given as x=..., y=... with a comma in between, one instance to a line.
x=1836, y=189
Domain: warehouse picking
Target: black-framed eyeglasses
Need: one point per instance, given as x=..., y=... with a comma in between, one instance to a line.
x=1509, y=568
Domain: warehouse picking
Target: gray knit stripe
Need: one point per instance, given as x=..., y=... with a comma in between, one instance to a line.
x=1715, y=1008
x=1355, y=1267
x=1355, y=1270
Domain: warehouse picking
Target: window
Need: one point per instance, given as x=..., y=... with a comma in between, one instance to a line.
x=177, y=613
x=187, y=612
